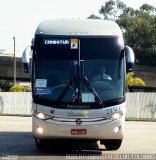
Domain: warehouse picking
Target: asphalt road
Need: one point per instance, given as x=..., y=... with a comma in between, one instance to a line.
x=16, y=142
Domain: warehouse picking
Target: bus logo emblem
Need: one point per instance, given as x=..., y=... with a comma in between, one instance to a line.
x=52, y=111
x=78, y=121
x=74, y=43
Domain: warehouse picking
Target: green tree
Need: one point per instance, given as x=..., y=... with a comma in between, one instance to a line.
x=112, y=9
x=148, y=8
x=138, y=26
x=108, y=10
x=92, y=16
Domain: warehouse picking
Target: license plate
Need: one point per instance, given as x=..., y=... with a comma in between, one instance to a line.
x=78, y=131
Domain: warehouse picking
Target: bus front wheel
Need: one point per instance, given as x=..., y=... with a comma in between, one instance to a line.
x=111, y=144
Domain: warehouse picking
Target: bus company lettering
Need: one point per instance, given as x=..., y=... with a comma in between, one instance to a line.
x=79, y=114
x=78, y=106
x=56, y=42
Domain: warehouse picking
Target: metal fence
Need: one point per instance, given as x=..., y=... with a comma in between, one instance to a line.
x=139, y=104
x=15, y=103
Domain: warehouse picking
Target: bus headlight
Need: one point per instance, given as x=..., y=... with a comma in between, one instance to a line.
x=40, y=115
x=117, y=115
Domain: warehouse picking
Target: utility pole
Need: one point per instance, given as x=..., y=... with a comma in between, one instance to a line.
x=14, y=61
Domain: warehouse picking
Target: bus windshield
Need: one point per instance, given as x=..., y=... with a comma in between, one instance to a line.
x=98, y=77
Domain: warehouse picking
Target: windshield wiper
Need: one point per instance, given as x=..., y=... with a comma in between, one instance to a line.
x=77, y=79
x=68, y=86
x=89, y=86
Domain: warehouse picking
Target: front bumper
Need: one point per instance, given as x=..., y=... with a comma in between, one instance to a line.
x=63, y=131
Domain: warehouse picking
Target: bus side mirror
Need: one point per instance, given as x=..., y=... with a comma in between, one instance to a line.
x=26, y=60
x=130, y=58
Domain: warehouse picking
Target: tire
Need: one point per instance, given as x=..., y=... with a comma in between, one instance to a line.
x=41, y=143
x=112, y=144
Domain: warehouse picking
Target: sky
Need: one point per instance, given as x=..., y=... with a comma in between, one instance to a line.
x=20, y=18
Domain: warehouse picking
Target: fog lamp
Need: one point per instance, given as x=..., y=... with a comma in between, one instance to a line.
x=116, y=129
x=40, y=130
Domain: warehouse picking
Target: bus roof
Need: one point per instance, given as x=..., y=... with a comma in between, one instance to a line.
x=72, y=27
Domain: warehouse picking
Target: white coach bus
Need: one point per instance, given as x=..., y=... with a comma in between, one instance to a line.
x=78, y=73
